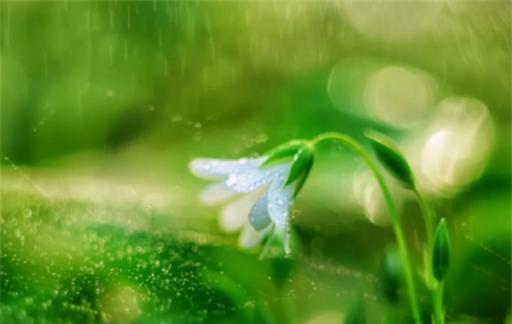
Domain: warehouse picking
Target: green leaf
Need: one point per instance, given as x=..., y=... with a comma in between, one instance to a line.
x=441, y=251
x=282, y=152
x=303, y=156
x=302, y=180
x=391, y=275
x=280, y=270
x=355, y=313
x=391, y=157
x=301, y=164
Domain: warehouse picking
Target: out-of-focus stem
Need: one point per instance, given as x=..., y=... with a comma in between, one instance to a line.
x=428, y=219
x=437, y=301
x=427, y=216
x=395, y=220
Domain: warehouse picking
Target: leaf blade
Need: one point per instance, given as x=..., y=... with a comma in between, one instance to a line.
x=390, y=156
x=301, y=165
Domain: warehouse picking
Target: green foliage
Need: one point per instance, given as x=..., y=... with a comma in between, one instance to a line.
x=301, y=164
x=391, y=275
x=283, y=153
x=392, y=159
x=280, y=270
x=356, y=313
x=301, y=155
x=441, y=251
x=126, y=92
x=54, y=268
x=301, y=167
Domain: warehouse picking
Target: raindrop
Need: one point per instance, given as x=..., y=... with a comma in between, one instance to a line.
x=125, y=49
x=111, y=19
x=27, y=213
x=128, y=16
x=45, y=58
x=7, y=26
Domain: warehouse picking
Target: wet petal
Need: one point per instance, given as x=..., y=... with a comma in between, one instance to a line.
x=287, y=248
x=234, y=215
x=280, y=199
x=286, y=240
x=252, y=180
x=258, y=215
x=214, y=169
x=216, y=193
x=250, y=237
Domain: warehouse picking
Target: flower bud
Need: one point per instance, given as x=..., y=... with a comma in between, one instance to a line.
x=392, y=159
x=441, y=251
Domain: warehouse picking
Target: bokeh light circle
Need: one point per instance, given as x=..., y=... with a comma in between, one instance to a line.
x=398, y=96
x=456, y=146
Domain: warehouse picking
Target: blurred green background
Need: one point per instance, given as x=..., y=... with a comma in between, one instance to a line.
x=104, y=103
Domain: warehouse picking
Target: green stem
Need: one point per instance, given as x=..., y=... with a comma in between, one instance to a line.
x=435, y=287
x=427, y=216
x=395, y=220
x=437, y=300
x=429, y=229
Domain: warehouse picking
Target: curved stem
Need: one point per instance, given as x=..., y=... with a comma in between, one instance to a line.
x=429, y=229
x=427, y=216
x=399, y=235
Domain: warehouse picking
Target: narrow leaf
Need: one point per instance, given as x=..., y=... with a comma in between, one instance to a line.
x=301, y=164
x=441, y=251
x=391, y=157
x=302, y=180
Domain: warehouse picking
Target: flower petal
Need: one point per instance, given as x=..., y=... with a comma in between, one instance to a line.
x=216, y=193
x=214, y=169
x=249, y=237
x=286, y=240
x=234, y=215
x=280, y=199
x=252, y=180
x=258, y=215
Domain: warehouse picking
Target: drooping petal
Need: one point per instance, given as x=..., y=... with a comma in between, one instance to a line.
x=286, y=240
x=234, y=215
x=252, y=180
x=278, y=240
x=216, y=193
x=215, y=169
x=250, y=237
x=258, y=215
x=280, y=199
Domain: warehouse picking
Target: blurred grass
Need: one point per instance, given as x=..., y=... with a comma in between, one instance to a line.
x=58, y=265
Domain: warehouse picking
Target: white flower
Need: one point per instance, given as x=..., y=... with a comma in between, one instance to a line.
x=265, y=191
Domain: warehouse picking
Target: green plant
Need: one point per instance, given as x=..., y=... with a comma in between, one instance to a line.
x=275, y=179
